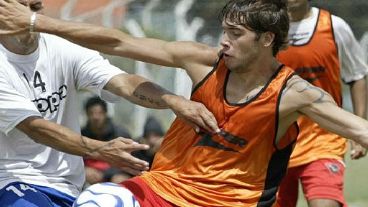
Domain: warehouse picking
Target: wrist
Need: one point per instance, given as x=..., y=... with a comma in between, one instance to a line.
x=172, y=100
x=32, y=22
x=92, y=148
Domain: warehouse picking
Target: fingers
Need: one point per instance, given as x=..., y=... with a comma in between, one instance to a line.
x=136, y=163
x=205, y=120
x=129, y=161
x=196, y=128
x=136, y=147
x=119, y=154
x=210, y=121
x=131, y=146
x=357, y=152
x=196, y=114
x=131, y=171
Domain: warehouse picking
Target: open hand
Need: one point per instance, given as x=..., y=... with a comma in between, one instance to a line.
x=118, y=151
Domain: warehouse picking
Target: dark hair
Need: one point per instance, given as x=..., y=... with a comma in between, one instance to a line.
x=93, y=101
x=260, y=16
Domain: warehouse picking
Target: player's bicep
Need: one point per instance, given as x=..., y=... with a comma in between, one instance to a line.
x=298, y=94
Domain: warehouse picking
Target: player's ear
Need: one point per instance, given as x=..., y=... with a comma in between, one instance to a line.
x=267, y=39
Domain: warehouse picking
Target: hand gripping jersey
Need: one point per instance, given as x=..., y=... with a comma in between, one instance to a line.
x=317, y=62
x=242, y=165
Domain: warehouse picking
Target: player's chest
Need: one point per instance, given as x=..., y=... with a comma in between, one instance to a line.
x=45, y=86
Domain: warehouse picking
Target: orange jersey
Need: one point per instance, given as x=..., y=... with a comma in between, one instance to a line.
x=242, y=165
x=317, y=62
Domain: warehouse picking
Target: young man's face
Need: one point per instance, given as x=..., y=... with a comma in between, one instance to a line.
x=240, y=46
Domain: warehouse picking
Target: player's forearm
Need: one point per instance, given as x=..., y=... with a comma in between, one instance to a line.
x=140, y=91
x=341, y=122
x=105, y=40
x=358, y=91
x=59, y=137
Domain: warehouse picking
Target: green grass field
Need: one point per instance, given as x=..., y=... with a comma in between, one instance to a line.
x=356, y=184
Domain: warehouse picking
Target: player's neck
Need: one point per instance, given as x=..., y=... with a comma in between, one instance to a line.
x=259, y=67
x=20, y=44
x=261, y=71
x=243, y=86
x=300, y=13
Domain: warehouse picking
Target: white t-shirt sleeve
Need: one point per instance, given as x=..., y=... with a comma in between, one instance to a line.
x=14, y=107
x=91, y=71
x=351, y=55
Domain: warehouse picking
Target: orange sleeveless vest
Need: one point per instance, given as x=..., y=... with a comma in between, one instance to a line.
x=240, y=167
x=317, y=61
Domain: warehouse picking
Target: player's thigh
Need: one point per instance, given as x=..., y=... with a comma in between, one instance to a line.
x=323, y=181
x=105, y=195
x=21, y=195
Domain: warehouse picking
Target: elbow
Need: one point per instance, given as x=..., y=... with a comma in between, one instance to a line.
x=29, y=126
x=362, y=139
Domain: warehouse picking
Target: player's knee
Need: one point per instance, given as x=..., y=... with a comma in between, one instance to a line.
x=106, y=194
x=324, y=203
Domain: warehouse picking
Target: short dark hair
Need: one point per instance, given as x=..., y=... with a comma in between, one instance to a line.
x=93, y=101
x=260, y=16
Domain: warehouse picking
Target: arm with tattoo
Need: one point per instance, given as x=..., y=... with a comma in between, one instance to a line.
x=302, y=98
x=304, y=88
x=145, y=93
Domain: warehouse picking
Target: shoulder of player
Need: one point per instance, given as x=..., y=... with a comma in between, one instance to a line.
x=303, y=93
x=339, y=24
x=298, y=90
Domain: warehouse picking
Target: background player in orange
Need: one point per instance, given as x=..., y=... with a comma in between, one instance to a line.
x=255, y=99
x=323, y=50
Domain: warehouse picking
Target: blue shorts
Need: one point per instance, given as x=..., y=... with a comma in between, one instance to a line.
x=18, y=194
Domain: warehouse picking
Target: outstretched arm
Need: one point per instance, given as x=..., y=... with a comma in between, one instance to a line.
x=116, y=152
x=196, y=58
x=145, y=93
x=302, y=98
x=358, y=90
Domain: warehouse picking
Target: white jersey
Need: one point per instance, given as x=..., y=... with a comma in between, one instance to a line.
x=351, y=56
x=45, y=83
